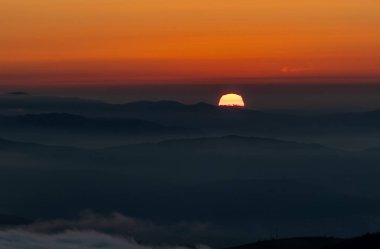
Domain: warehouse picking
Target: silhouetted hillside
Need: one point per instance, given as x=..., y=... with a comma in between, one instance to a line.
x=165, y=106
x=370, y=241
x=151, y=110
x=208, y=118
x=23, y=103
x=293, y=243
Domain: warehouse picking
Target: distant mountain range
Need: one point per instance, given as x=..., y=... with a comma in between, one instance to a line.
x=200, y=116
x=25, y=103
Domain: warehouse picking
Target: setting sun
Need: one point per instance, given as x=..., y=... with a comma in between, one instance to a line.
x=231, y=99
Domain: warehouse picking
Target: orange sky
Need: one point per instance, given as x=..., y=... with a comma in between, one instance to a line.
x=148, y=40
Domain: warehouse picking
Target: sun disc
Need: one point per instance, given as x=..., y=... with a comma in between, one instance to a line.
x=231, y=100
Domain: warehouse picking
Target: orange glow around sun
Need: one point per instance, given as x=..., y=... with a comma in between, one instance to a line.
x=60, y=42
x=231, y=100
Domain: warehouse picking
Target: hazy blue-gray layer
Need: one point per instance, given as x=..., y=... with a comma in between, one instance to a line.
x=101, y=124
x=234, y=183
x=207, y=174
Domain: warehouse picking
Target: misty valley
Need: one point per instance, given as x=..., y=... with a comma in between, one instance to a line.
x=174, y=174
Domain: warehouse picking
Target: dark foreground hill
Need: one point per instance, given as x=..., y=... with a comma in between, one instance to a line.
x=370, y=241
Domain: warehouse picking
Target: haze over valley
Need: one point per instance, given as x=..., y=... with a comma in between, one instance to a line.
x=199, y=174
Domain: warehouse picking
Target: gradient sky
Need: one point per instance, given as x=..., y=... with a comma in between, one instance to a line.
x=139, y=41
